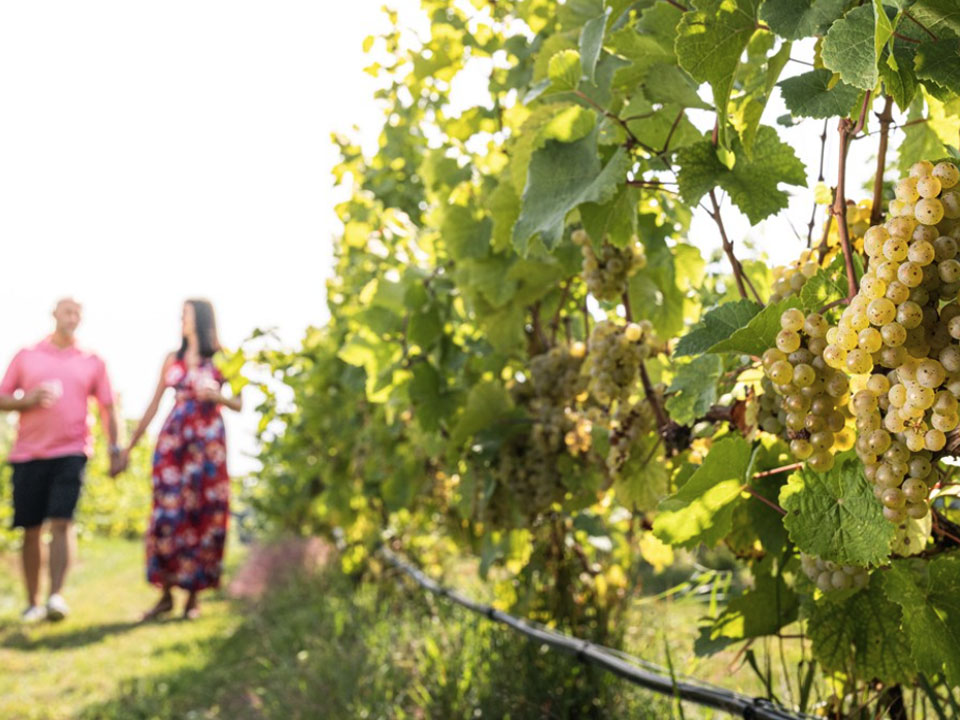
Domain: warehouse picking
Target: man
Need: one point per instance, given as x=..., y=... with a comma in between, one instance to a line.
x=49, y=384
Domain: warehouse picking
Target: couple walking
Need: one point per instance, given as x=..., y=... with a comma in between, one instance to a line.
x=49, y=385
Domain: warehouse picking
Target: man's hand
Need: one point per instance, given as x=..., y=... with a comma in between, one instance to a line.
x=42, y=397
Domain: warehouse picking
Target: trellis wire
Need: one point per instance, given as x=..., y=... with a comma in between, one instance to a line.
x=634, y=670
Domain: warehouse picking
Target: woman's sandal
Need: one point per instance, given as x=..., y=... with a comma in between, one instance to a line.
x=163, y=606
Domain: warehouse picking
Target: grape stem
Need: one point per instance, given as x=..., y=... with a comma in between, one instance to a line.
x=813, y=213
x=769, y=503
x=919, y=24
x=776, y=471
x=738, y=274
x=886, y=118
x=847, y=130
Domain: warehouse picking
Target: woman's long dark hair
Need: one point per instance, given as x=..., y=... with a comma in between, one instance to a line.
x=206, y=325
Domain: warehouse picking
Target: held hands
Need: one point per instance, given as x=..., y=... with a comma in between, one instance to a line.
x=119, y=459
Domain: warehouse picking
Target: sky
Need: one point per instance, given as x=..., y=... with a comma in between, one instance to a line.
x=151, y=152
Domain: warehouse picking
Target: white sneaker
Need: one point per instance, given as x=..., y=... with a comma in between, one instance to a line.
x=57, y=608
x=34, y=614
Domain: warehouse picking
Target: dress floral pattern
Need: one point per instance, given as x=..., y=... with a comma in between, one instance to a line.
x=191, y=487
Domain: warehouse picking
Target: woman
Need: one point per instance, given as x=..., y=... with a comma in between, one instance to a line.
x=191, y=487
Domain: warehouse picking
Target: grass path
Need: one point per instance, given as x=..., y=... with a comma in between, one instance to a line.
x=55, y=670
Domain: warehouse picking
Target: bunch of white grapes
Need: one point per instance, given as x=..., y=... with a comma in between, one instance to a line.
x=830, y=576
x=627, y=424
x=556, y=373
x=789, y=279
x=811, y=397
x=615, y=354
x=608, y=273
x=899, y=334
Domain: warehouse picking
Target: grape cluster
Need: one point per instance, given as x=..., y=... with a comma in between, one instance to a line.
x=615, y=354
x=555, y=374
x=899, y=333
x=830, y=576
x=809, y=397
x=628, y=424
x=607, y=274
x=789, y=279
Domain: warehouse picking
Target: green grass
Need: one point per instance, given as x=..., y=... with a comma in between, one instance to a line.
x=319, y=647
x=54, y=670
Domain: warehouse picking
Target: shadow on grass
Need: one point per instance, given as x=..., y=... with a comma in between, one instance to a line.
x=88, y=635
x=330, y=648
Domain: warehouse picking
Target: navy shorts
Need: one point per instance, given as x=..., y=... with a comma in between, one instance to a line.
x=47, y=488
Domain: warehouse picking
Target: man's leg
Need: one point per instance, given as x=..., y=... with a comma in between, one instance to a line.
x=62, y=551
x=32, y=559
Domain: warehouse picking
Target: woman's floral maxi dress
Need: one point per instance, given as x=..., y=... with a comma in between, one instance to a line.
x=191, y=487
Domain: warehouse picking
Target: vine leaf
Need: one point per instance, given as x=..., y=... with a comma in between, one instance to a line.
x=694, y=389
x=752, y=183
x=812, y=95
x=763, y=610
x=860, y=634
x=939, y=16
x=487, y=403
x=829, y=284
x=939, y=62
x=591, y=43
x=561, y=177
x=701, y=511
x=929, y=595
x=835, y=515
x=564, y=71
x=758, y=334
x=717, y=325
x=796, y=19
x=900, y=82
x=710, y=41
x=848, y=48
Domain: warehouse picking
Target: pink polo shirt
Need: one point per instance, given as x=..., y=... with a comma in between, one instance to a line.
x=63, y=428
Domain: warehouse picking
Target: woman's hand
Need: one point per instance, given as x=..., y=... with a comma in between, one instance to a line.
x=119, y=461
x=210, y=393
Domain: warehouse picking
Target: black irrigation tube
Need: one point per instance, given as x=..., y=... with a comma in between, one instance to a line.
x=728, y=701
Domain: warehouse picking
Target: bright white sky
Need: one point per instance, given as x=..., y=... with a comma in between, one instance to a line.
x=154, y=151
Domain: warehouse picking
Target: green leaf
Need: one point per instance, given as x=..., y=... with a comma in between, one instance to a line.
x=466, y=234
x=810, y=95
x=797, y=19
x=938, y=16
x=694, y=389
x=929, y=595
x=848, y=48
x=835, y=515
x=561, y=177
x=717, y=325
x=591, y=43
x=883, y=28
x=763, y=610
x=710, y=41
x=654, y=292
x=672, y=86
x=758, y=86
x=644, y=478
x=701, y=511
x=753, y=184
x=758, y=334
x=859, y=634
x=900, y=82
x=939, y=62
x=564, y=70
x=829, y=284
x=642, y=52
x=928, y=139
x=504, y=206
x=487, y=404
x=615, y=220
